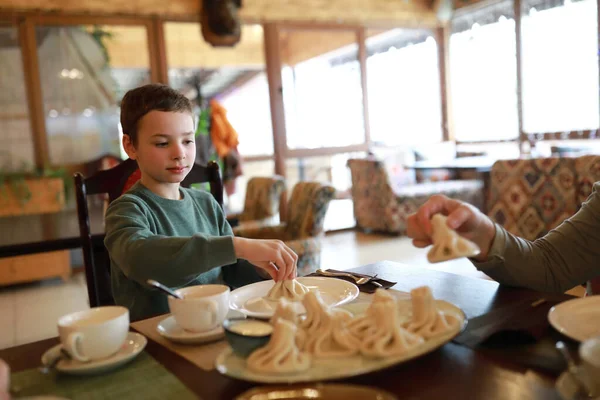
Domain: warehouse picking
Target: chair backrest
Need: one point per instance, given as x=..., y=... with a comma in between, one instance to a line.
x=112, y=182
x=263, y=195
x=529, y=197
x=306, y=209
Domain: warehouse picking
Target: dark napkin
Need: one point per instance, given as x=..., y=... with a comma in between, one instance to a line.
x=520, y=322
x=368, y=287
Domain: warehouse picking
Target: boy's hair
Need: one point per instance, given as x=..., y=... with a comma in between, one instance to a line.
x=140, y=101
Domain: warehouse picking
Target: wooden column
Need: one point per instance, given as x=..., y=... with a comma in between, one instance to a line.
x=37, y=114
x=598, y=22
x=442, y=37
x=273, y=68
x=159, y=72
x=519, y=52
x=362, y=58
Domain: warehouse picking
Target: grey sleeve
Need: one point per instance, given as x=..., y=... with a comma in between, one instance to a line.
x=566, y=257
x=173, y=261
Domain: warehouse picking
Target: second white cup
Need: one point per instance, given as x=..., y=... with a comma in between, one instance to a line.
x=203, y=307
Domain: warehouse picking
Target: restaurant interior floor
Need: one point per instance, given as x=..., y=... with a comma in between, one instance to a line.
x=29, y=312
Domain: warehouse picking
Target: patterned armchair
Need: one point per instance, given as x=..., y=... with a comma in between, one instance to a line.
x=377, y=207
x=530, y=197
x=261, y=204
x=302, y=226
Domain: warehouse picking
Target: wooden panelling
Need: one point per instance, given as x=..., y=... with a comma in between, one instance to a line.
x=302, y=45
x=413, y=12
x=187, y=49
x=35, y=267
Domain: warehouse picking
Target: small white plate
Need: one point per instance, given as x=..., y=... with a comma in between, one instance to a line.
x=578, y=319
x=134, y=344
x=231, y=365
x=169, y=329
x=250, y=300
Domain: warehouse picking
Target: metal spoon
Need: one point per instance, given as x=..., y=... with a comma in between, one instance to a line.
x=358, y=280
x=165, y=289
x=575, y=371
x=46, y=368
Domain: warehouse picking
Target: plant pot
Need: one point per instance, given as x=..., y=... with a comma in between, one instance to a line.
x=32, y=196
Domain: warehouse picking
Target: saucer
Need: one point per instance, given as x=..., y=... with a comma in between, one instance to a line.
x=134, y=344
x=169, y=329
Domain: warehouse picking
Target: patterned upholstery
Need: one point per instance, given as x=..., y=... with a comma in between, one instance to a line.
x=379, y=208
x=302, y=226
x=262, y=199
x=530, y=197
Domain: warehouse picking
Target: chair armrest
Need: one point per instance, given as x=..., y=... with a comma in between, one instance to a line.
x=261, y=232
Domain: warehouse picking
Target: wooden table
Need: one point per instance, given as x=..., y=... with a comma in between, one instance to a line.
x=453, y=371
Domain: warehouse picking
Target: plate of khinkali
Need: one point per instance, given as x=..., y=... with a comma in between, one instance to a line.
x=325, y=343
x=259, y=300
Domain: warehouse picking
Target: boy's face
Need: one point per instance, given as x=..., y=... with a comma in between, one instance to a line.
x=166, y=148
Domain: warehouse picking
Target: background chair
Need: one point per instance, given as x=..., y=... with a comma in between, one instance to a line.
x=381, y=208
x=303, y=224
x=113, y=182
x=261, y=204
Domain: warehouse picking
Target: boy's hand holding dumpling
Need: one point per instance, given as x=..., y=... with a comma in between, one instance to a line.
x=271, y=256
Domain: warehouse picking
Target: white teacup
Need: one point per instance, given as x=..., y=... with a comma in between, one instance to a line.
x=95, y=333
x=203, y=308
x=589, y=353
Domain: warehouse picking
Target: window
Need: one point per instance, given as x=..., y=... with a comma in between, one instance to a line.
x=404, y=88
x=483, y=75
x=560, y=66
x=322, y=89
x=84, y=73
x=15, y=132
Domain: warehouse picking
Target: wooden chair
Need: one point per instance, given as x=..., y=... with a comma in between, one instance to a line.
x=112, y=183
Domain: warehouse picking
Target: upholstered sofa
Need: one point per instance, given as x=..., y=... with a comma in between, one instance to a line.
x=382, y=207
x=303, y=225
x=529, y=197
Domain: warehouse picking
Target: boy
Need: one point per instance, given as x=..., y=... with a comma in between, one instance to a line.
x=177, y=236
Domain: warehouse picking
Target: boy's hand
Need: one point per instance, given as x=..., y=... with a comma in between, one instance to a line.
x=464, y=218
x=271, y=256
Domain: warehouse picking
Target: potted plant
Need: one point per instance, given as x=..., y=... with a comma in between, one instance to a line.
x=33, y=191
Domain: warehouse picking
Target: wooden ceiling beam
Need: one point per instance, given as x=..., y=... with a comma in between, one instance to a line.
x=407, y=13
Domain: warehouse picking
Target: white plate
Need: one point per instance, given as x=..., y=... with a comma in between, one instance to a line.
x=578, y=319
x=234, y=366
x=169, y=329
x=134, y=344
x=249, y=299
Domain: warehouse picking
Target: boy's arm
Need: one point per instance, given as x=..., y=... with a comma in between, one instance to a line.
x=242, y=272
x=173, y=261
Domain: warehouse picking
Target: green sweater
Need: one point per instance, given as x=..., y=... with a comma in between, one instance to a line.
x=176, y=242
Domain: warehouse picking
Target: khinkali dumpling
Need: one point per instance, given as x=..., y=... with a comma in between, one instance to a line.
x=364, y=325
x=289, y=289
x=387, y=338
x=280, y=355
x=447, y=244
x=427, y=320
x=325, y=331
